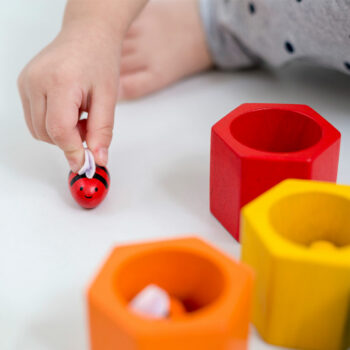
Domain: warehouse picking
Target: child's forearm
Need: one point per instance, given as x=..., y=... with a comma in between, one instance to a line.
x=114, y=14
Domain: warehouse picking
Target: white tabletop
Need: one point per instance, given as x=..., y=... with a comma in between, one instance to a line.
x=50, y=248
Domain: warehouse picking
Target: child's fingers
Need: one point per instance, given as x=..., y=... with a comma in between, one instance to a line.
x=38, y=116
x=132, y=64
x=129, y=47
x=136, y=84
x=26, y=111
x=133, y=31
x=100, y=124
x=62, y=117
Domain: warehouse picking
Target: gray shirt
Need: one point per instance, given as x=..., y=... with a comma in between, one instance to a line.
x=243, y=33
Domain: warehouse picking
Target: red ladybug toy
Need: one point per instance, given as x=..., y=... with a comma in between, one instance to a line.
x=89, y=193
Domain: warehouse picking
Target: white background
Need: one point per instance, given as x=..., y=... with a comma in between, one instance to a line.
x=49, y=247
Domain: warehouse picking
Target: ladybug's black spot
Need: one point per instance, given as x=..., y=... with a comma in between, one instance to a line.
x=101, y=179
x=298, y=0
x=96, y=189
x=76, y=178
x=289, y=47
x=251, y=7
x=81, y=188
x=104, y=169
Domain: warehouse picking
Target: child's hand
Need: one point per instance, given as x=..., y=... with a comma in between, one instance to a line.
x=77, y=72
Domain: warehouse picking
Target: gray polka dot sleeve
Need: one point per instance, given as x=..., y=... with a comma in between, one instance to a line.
x=243, y=33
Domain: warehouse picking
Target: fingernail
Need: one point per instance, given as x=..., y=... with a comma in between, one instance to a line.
x=102, y=156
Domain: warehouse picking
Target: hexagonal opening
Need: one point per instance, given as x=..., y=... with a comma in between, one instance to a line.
x=317, y=220
x=276, y=130
x=195, y=281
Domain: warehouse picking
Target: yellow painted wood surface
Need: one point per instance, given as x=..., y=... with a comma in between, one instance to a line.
x=297, y=239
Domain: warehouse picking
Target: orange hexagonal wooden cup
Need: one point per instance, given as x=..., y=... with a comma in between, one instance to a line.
x=215, y=291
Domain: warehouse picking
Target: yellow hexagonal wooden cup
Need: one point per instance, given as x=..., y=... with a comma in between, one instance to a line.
x=297, y=238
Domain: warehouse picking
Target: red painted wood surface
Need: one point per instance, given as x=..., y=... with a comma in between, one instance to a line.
x=256, y=146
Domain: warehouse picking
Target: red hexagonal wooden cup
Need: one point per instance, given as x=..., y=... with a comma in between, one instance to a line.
x=256, y=146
